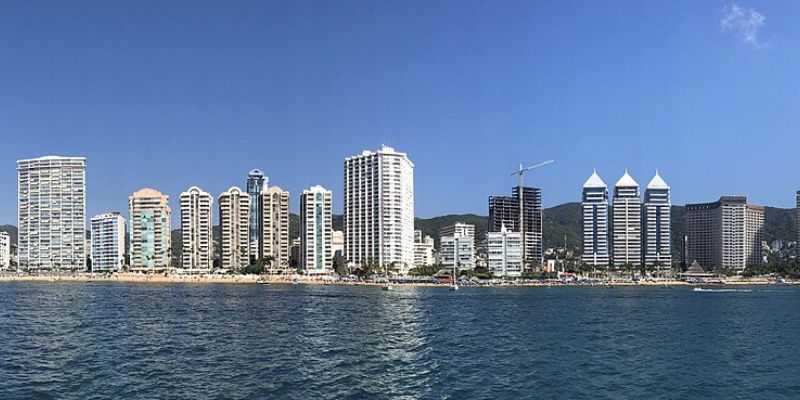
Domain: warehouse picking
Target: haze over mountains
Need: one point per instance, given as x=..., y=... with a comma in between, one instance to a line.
x=560, y=222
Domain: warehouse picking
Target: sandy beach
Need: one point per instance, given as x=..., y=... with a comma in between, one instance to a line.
x=306, y=280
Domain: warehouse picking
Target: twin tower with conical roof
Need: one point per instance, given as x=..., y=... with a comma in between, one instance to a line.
x=628, y=233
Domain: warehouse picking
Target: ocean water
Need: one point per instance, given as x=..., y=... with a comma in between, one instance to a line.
x=196, y=341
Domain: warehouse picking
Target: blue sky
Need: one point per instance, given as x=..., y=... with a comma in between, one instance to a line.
x=172, y=94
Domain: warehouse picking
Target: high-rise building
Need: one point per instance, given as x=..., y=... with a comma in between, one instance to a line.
x=234, y=224
x=457, y=246
x=149, y=231
x=52, y=213
x=108, y=242
x=754, y=235
x=594, y=206
x=379, y=208
x=504, y=211
x=626, y=223
x=504, y=252
x=656, y=221
x=316, y=231
x=256, y=182
x=727, y=233
x=5, y=250
x=197, y=254
x=275, y=227
x=423, y=250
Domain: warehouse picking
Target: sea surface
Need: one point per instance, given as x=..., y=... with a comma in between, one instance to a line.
x=102, y=340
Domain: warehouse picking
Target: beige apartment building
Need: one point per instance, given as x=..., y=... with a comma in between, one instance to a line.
x=197, y=255
x=234, y=224
x=275, y=227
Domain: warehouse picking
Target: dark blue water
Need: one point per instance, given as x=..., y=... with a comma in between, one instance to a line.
x=115, y=340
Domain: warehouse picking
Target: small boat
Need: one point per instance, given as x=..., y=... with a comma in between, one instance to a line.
x=387, y=287
x=263, y=282
x=454, y=287
x=665, y=286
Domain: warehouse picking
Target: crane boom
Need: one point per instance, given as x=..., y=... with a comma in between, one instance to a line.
x=521, y=170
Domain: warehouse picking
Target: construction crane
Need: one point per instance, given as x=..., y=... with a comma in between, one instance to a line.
x=520, y=172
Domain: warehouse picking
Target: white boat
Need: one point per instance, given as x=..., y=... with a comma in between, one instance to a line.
x=263, y=282
x=387, y=287
x=454, y=285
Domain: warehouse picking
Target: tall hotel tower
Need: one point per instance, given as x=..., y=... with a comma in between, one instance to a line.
x=275, y=227
x=656, y=229
x=594, y=205
x=108, y=242
x=379, y=208
x=196, y=224
x=256, y=182
x=52, y=213
x=726, y=233
x=234, y=224
x=150, y=235
x=626, y=223
x=316, y=231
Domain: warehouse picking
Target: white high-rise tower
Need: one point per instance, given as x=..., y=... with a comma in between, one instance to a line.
x=52, y=213
x=626, y=223
x=316, y=231
x=594, y=205
x=379, y=208
x=656, y=229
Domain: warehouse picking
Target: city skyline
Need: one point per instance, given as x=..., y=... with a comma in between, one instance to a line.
x=294, y=209
x=535, y=81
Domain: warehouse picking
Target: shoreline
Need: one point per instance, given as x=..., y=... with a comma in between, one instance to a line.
x=305, y=280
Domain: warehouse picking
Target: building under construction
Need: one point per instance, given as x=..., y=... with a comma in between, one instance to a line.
x=504, y=210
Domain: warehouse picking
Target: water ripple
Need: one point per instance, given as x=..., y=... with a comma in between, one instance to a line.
x=117, y=340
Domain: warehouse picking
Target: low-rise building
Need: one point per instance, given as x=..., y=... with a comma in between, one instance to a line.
x=504, y=252
x=423, y=250
x=5, y=250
